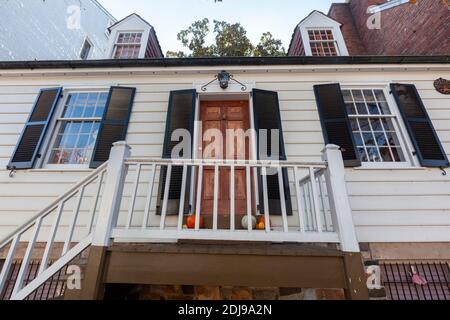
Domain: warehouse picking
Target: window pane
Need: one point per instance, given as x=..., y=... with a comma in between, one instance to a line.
x=361, y=107
x=350, y=108
x=373, y=154
x=347, y=96
x=354, y=124
x=358, y=138
x=386, y=155
x=381, y=139
x=388, y=125
x=357, y=95
x=384, y=107
x=393, y=139
x=373, y=108
x=363, y=155
x=376, y=124
x=380, y=95
x=368, y=95
x=364, y=124
x=368, y=139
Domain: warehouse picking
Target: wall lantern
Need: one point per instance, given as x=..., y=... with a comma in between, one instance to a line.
x=224, y=79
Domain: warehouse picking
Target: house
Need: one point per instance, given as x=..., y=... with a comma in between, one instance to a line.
x=295, y=177
x=53, y=30
x=375, y=27
x=151, y=215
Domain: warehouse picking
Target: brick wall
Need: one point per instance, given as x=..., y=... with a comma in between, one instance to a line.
x=341, y=13
x=408, y=29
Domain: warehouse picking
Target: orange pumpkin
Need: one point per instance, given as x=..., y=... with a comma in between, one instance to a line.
x=190, y=221
x=260, y=226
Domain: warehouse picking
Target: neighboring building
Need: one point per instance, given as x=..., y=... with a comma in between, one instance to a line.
x=49, y=30
x=53, y=30
x=375, y=27
x=186, y=236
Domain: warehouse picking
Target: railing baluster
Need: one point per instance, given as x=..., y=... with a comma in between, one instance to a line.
x=8, y=263
x=216, y=197
x=148, y=202
x=266, y=198
x=133, y=196
x=299, y=201
x=199, y=197
x=26, y=258
x=282, y=199
x=249, y=198
x=94, y=205
x=232, y=199
x=51, y=238
x=257, y=201
x=73, y=222
x=166, y=197
x=323, y=201
x=314, y=199
x=182, y=198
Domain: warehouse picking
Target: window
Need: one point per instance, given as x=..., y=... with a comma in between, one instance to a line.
x=128, y=46
x=322, y=43
x=77, y=128
x=374, y=126
x=85, y=50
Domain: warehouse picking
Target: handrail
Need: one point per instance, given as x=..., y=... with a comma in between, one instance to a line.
x=212, y=162
x=24, y=227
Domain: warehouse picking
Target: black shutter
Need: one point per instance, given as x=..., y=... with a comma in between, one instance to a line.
x=114, y=124
x=266, y=110
x=336, y=126
x=426, y=142
x=28, y=147
x=180, y=115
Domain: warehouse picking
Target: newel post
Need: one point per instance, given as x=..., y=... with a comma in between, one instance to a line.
x=339, y=201
x=112, y=194
x=356, y=287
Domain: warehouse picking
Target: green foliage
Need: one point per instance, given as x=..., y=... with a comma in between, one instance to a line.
x=230, y=41
x=269, y=47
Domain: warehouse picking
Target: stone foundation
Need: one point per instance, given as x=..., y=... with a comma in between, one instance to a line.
x=170, y=292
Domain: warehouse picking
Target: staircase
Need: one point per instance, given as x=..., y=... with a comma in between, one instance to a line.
x=89, y=215
x=87, y=192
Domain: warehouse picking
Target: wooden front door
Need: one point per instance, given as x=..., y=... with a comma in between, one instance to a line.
x=221, y=116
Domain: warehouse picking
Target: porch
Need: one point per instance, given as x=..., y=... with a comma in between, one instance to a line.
x=130, y=204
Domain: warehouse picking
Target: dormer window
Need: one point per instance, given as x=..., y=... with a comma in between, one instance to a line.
x=322, y=43
x=318, y=35
x=128, y=45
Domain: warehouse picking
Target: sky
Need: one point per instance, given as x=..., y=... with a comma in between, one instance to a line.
x=168, y=17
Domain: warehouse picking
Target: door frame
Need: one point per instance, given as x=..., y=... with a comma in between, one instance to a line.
x=217, y=94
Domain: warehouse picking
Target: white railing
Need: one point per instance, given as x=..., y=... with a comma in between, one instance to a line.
x=145, y=214
x=82, y=198
x=145, y=223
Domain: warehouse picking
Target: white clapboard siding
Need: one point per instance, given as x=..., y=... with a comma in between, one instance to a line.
x=388, y=205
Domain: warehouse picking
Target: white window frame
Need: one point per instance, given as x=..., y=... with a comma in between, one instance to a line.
x=336, y=43
x=54, y=127
x=90, y=49
x=142, y=43
x=411, y=160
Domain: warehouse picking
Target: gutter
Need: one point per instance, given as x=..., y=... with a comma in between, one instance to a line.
x=223, y=61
